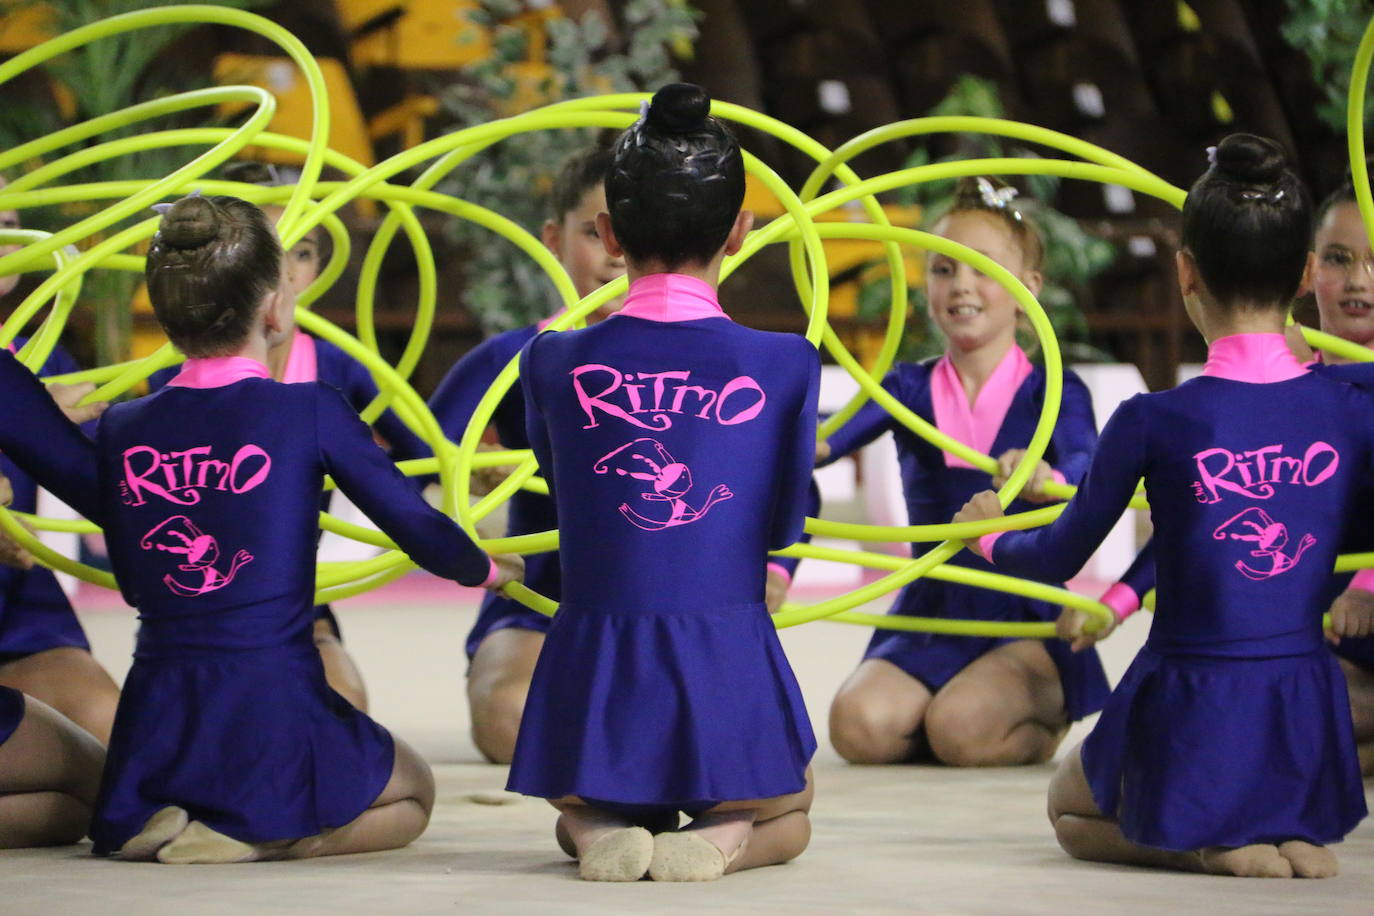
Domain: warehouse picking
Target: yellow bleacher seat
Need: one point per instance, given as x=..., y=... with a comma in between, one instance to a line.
x=426, y=35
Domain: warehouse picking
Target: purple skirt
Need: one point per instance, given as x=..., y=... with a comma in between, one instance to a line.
x=35, y=614
x=1196, y=751
x=253, y=743
x=935, y=658
x=672, y=709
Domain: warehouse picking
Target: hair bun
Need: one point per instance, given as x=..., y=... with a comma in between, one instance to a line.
x=679, y=108
x=191, y=223
x=1250, y=159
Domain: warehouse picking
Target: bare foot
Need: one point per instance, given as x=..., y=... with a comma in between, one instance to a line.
x=162, y=828
x=1309, y=860
x=1258, y=860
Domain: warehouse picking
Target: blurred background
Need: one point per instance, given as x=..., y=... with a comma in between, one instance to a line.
x=1153, y=80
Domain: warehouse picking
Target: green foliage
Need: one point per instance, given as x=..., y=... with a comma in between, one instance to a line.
x=103, y=77
x=1072, y=256
x=505, y=288
x=1328, y=32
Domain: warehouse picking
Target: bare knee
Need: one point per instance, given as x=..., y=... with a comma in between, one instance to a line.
x=411, y=779
x=496, y=713
x=963, y=731
x=1077, y=835
x=863, y=731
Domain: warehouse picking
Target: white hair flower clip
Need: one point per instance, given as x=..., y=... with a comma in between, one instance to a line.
x=997, y=198
x=1212, y=156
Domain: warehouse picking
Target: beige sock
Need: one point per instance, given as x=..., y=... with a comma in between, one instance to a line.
x=165, y=825
x=1259, y=860
x=199, y=845
x=1310, y=860
x=621, y=855
x=686, y=856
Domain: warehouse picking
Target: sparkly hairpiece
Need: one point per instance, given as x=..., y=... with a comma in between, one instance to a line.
x=1212, y=156
x=997, y=198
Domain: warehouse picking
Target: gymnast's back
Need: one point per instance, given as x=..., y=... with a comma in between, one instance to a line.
x=679, y=448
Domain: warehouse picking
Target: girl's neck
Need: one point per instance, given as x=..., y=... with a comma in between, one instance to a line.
x=277, y=355
x=976, y=366
x=1218, y=323
x=706, y=273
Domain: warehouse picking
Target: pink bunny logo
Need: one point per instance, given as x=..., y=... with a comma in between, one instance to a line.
x=179, y=534
x=1270, y=539
x=646, y=459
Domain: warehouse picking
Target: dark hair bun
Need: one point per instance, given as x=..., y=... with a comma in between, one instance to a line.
x=191, y=223
x=1250, y=159
x=249, y=172
x=679, y=108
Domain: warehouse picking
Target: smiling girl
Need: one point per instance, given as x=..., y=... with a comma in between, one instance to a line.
x=970, y=701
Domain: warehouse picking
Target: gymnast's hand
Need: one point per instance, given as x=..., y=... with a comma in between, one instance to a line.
x=1071, y=627
x=510, y=567
x=1292, y=335
x=484, y=480
x=822, y=451
x=775, y=590
x=11, y=554
x=1352, y=614
x=982, y=507
x=1034, y=490
x=67, y=397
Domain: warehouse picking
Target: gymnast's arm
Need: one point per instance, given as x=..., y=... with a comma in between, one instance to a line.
x=1125, y=595
x=871, y=421
x=44, y=443
x=1057, y=552
x=1075, y=432
x=796, y=461
x=536, y=427
x=367, y=476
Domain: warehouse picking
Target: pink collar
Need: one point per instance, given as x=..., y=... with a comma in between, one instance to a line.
x=218, y=371
x=301, y=363
x=976, y=424
x=671, y=297
x=1258, y=358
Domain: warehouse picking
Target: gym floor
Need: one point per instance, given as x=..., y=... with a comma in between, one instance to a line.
x=908, y=839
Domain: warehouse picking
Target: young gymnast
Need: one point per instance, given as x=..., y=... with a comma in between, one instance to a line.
x=49, y=766
x=301, y=357
x=506, y=638
x=228, y=744
x=666, y=432
x=1227, y=747
x=969, y=701
x=43, y=649
x=1343, y=286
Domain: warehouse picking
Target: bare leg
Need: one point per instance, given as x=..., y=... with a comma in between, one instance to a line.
x=1360, y=683
x=49, y=777
x=397, y=816
x=340, y=671
x=1086, y=833
x=736, y=835
x=608, y=847
x=498, y=682
x=876, y=715
x=1005, y=709
x=72, y=682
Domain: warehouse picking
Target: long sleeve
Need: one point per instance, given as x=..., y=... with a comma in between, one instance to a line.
x=456, y=398
x=536, y=428
x=1057, y=552
x=788, y=565
x=360, y=389
x=367, y=476
x=871, y=421
x=797, y=464
x=1075, y=432
x=39, y=438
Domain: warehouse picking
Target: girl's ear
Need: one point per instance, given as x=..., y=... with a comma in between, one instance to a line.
x=1188, y=279
x=1035, y=281
x=552, y=237
x=1305, y=286
x=607, y=234
x=744, y=223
